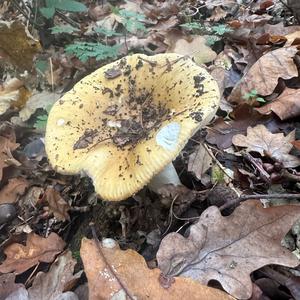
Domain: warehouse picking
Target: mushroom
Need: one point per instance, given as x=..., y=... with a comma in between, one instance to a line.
x=127, y=121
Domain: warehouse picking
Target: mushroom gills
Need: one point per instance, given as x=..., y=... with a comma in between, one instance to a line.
x=167, y=176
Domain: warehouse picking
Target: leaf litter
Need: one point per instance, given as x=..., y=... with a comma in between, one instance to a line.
x=251, y=150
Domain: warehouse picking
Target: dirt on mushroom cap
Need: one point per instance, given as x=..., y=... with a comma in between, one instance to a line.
x=127, y=120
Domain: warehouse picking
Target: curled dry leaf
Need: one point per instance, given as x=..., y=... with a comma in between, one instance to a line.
x=277, y=146
x=18, y=44
x=139, y=282
x=57, y=280
x=228, y=249
x=285, y=106
x=264, y=74
x=57, y=204
x=15, y=188
x=20, y=258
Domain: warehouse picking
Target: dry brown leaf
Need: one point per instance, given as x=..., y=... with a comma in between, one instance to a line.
x=137, y=279
x=296, y=144
x=221, y=132
x=277, y=146
x=57, y=280
x=18, y=44
x=285, y=106
x=20, y=258
x=228, y=249
x=195, y=47
x=57, y=205
x=7, y=145
x=15, y=188
x=8, y=285
x=264, y=74
x=199, y=162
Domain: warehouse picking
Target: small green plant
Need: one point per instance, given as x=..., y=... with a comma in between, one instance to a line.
x=41, y=120
x=64, y=29
x=220, y=29
x=131, y=20
x=65, y=5
x=193, y=26
x=85, y=50
x=252, y=95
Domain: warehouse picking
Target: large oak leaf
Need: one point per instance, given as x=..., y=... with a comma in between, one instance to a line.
x=132, y=279
x=228, y=249
x=264, y=74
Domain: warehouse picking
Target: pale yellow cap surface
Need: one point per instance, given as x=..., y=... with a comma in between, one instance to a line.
x=126, y=121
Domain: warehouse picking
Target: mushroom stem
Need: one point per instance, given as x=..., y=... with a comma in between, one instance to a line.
x=167, y=176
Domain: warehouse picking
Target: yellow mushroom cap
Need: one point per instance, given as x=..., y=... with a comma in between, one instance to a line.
x=122, y=124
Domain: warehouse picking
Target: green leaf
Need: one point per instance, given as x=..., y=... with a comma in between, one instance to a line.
x=260, y=99
x=41, y=65
x=192, y=25
x=131, y=20
x=67, y=5
x=63, y=29
x=221, y=29
x=211, y=40
x=47, y=12
x=41, y=122
x=84, y=50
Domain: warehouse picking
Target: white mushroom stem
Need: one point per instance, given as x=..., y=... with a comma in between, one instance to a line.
x=167, y=176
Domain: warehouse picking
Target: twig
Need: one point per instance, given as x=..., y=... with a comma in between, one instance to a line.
x=242, y=198
x=99, y=247
x=67, y=19
x=263, y=173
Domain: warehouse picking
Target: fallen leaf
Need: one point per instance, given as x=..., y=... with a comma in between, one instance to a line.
x=221, y=132
x=38, y=100
x=199, y=162
x=18, y=44
x=277, y=146
x=137, y=279
x=57, y=280
x=285, y=106
x=57, y=205
x=8, y=285
x=264, y=74
x=296, y=144
x=18, y=294
x=7, y=145
x=228, y=249
x=15, y=188
x=195, y=47
x=20, y=258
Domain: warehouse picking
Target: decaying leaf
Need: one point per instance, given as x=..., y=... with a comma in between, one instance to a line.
x=8, y=285
x=195, y=47
x=199, y=162
x=264, y=74
x=277, y=146
x=57, y=205
x=285, y=106
x=20, y=258
x=228, y=249
x=136, y=278
x=18, y=44
x=15, y=188
x=57, y=280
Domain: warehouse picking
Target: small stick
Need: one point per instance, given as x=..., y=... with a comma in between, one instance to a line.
x=99, y=247
x=258, y=196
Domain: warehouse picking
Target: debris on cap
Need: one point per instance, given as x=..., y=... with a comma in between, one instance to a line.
x=126, y=121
